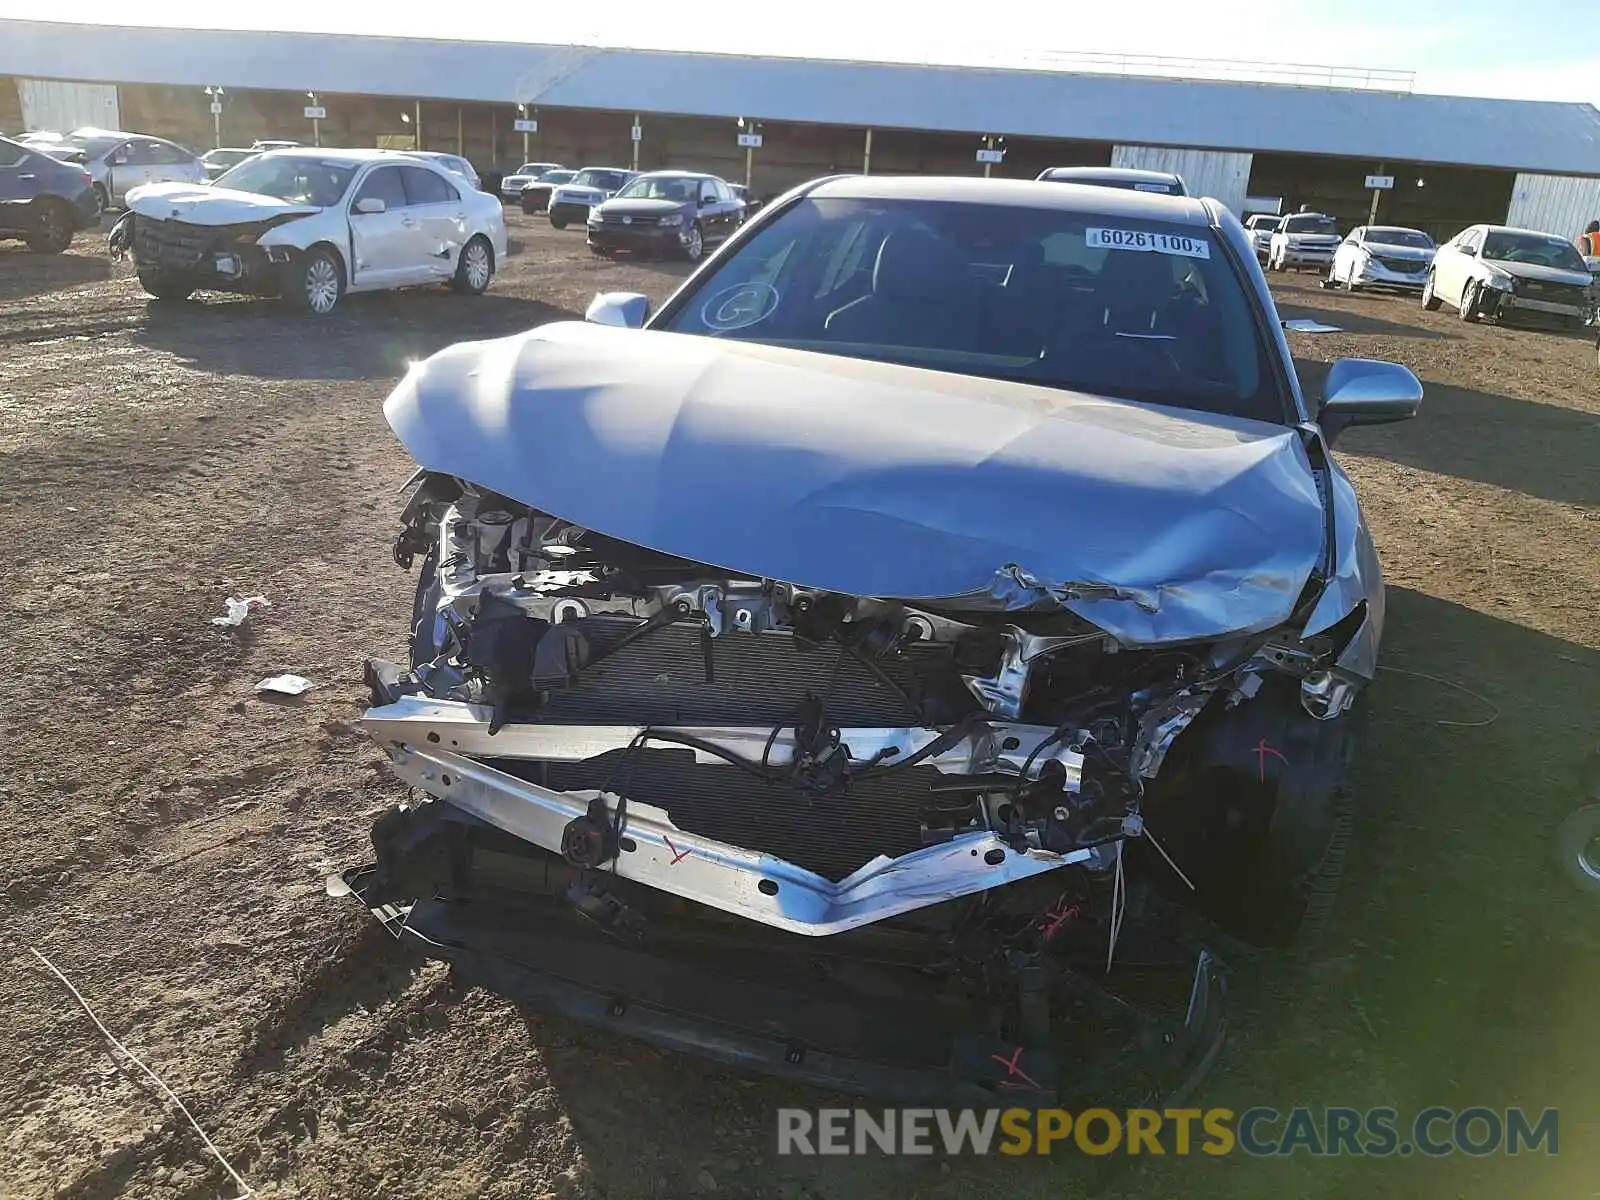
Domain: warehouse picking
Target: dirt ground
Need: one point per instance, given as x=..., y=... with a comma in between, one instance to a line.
x=164, y=834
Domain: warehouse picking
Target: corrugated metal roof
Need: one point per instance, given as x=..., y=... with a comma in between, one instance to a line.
x=1522, y=134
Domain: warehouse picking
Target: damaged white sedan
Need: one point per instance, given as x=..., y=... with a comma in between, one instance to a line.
x=310, y=225
x=859, y=672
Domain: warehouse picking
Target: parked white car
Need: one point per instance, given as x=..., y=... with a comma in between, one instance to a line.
x=311, y=225
x=1303, y=240
x=1261, y=227
x=1388, y=256
x=1496, y=272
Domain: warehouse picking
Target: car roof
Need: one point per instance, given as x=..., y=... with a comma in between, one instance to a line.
x=1018, y=193
x=233, y=150
x=1541, y=233
x=1396, y=228
x=1126, y=174
x=674, y=173
x=354, y=157
x=620, y=170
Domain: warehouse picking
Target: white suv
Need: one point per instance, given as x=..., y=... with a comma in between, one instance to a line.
x=1303, y=239
x=311, y=225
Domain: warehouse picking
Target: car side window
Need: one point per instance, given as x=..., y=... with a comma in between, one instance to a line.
x=1468, y=243
x=424, y=187
x=708, y=192
x=11, y=153
x=167, y=153
x=723, y=193
x=382, y=184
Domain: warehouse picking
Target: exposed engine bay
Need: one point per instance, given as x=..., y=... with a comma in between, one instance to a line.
x=653, y=747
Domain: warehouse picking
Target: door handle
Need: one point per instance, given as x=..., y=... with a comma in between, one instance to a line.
x=29, y=175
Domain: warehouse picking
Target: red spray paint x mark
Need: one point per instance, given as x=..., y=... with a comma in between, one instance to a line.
x=1013, y=1071
x=1262, y=750
x=677, y=855
x=1050, y=924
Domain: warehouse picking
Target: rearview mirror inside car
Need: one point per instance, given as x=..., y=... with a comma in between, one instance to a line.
x=1365, y=391
x=626, y=310
x=370, y=205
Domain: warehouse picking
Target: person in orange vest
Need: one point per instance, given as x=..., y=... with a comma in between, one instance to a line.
x=1589, y=241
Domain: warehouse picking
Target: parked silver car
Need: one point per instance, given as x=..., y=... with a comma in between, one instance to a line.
x=119, y=161
x=935, y=542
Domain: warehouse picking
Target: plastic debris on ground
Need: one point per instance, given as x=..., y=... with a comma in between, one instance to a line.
x=286, y=685
x=1304, y=325
x=239, y=609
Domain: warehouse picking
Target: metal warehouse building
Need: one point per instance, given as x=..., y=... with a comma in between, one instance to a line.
x=1453, y=160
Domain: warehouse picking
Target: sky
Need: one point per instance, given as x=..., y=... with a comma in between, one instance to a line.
x=1532, y=49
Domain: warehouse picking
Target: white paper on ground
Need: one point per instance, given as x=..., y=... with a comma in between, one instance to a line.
x=286, y=685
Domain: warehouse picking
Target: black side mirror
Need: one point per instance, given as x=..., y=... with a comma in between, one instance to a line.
x=1365, y=391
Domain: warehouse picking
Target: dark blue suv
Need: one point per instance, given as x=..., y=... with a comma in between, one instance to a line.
x=43, y=200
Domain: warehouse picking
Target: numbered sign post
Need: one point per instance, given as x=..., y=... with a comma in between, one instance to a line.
x=1377, y=185
x=751, y=143
x=636, y=135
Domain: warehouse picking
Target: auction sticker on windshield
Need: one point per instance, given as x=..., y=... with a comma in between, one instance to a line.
x=1139, y=239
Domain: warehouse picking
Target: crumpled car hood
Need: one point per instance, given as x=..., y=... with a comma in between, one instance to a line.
x=1156, y=524
x=205, y=204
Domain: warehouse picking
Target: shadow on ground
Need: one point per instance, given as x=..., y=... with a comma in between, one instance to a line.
x=367, y=337
x=1519, y=445
x=1352, y=322
x=28, y=275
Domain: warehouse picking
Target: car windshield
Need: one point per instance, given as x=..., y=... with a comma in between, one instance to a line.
x=1133, y=308
x=299, y=178
x=557, y=177
x=1415, y=239
x=606, y=181
x=1310, y=224
x=1537, y=249
x=660, y=187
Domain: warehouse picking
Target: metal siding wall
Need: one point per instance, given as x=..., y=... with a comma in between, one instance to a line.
x=49, y=104
x=1560, y=204
x=1221, y=174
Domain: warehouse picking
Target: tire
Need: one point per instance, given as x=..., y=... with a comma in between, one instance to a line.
x=314, y=283
x=475, y=267
x=695, y=248
x=102, y=201
x=530, y=207
x=557, y=222
x=52, y=226
x=1430, y=299
x=1578, y=848
x=1468, y=310
x=165, y=288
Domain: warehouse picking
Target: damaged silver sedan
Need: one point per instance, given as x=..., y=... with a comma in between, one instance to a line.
x=877, y=668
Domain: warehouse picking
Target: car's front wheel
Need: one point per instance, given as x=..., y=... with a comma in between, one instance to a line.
x=694, y=244
x=52, y=226
x=1469, y=303
x=475, y=268
x=557, y=222
x=314, y=283
x=1430, y=298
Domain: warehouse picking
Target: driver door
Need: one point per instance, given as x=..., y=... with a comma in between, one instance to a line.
x=127, y=167
x=1453, y=264
x=381, y=242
